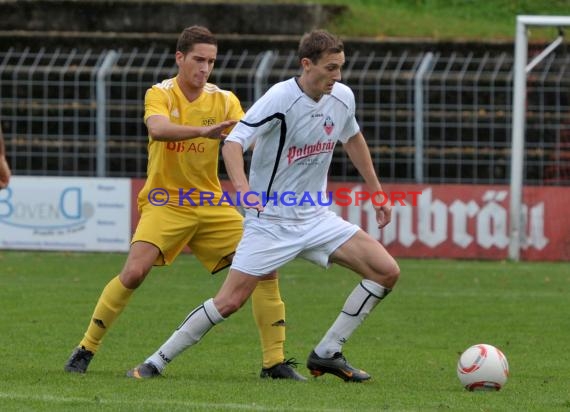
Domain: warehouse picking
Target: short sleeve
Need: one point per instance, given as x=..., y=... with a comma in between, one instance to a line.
x=351, y=126
x=156, y=102
x=235, y=111
x=258, y=119
x=350, y=129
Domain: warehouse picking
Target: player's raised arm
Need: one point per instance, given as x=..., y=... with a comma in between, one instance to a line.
x=162, y=129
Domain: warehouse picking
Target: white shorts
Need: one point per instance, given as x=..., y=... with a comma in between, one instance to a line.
x=267, y=245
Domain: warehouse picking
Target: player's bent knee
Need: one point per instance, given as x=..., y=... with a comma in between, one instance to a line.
x=394, y=273
x=389, y=275
x=133, y=276
x=227, y=307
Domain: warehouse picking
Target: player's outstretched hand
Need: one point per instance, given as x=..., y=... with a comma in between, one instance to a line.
x=252, y=201
x=383, y=215
x=217, y=131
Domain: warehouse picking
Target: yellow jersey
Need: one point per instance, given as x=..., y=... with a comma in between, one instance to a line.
x=187, y=169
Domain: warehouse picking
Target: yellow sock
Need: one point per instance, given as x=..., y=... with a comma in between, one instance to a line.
x=111, y=303
x=269, y=314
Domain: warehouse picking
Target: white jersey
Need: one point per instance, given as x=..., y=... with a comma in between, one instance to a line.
x=294, y=142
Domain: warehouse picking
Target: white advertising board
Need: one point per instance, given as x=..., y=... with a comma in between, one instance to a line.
x=61, y=213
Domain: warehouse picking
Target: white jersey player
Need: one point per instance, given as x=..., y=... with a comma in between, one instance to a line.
x=295, y=138
x=296, y=126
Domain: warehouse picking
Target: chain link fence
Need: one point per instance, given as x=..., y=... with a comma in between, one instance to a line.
x=428, y=117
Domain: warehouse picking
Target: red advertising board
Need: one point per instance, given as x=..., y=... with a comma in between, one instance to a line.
x=467, y=221
x=453, y=221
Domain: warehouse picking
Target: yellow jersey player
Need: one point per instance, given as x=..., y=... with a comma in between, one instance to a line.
x=179, y=205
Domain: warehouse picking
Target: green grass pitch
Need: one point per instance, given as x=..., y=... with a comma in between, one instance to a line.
x=410, y=344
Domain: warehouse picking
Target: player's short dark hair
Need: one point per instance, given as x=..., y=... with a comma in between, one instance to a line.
x=194, y=35
x=315, y=44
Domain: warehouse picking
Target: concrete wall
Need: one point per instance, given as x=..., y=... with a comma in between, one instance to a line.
x=163, y=16
x=123, y=24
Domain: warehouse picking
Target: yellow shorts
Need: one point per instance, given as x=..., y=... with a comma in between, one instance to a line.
x=211, y=232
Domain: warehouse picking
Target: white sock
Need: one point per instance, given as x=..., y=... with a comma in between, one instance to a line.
x=358, y=305
x=196, y=324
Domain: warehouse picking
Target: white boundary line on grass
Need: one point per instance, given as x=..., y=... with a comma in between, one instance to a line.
x=188, y=404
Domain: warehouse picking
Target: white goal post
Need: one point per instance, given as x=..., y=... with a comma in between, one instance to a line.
x=521, y=68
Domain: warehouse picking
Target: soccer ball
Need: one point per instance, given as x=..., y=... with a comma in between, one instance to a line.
x=482, y=367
